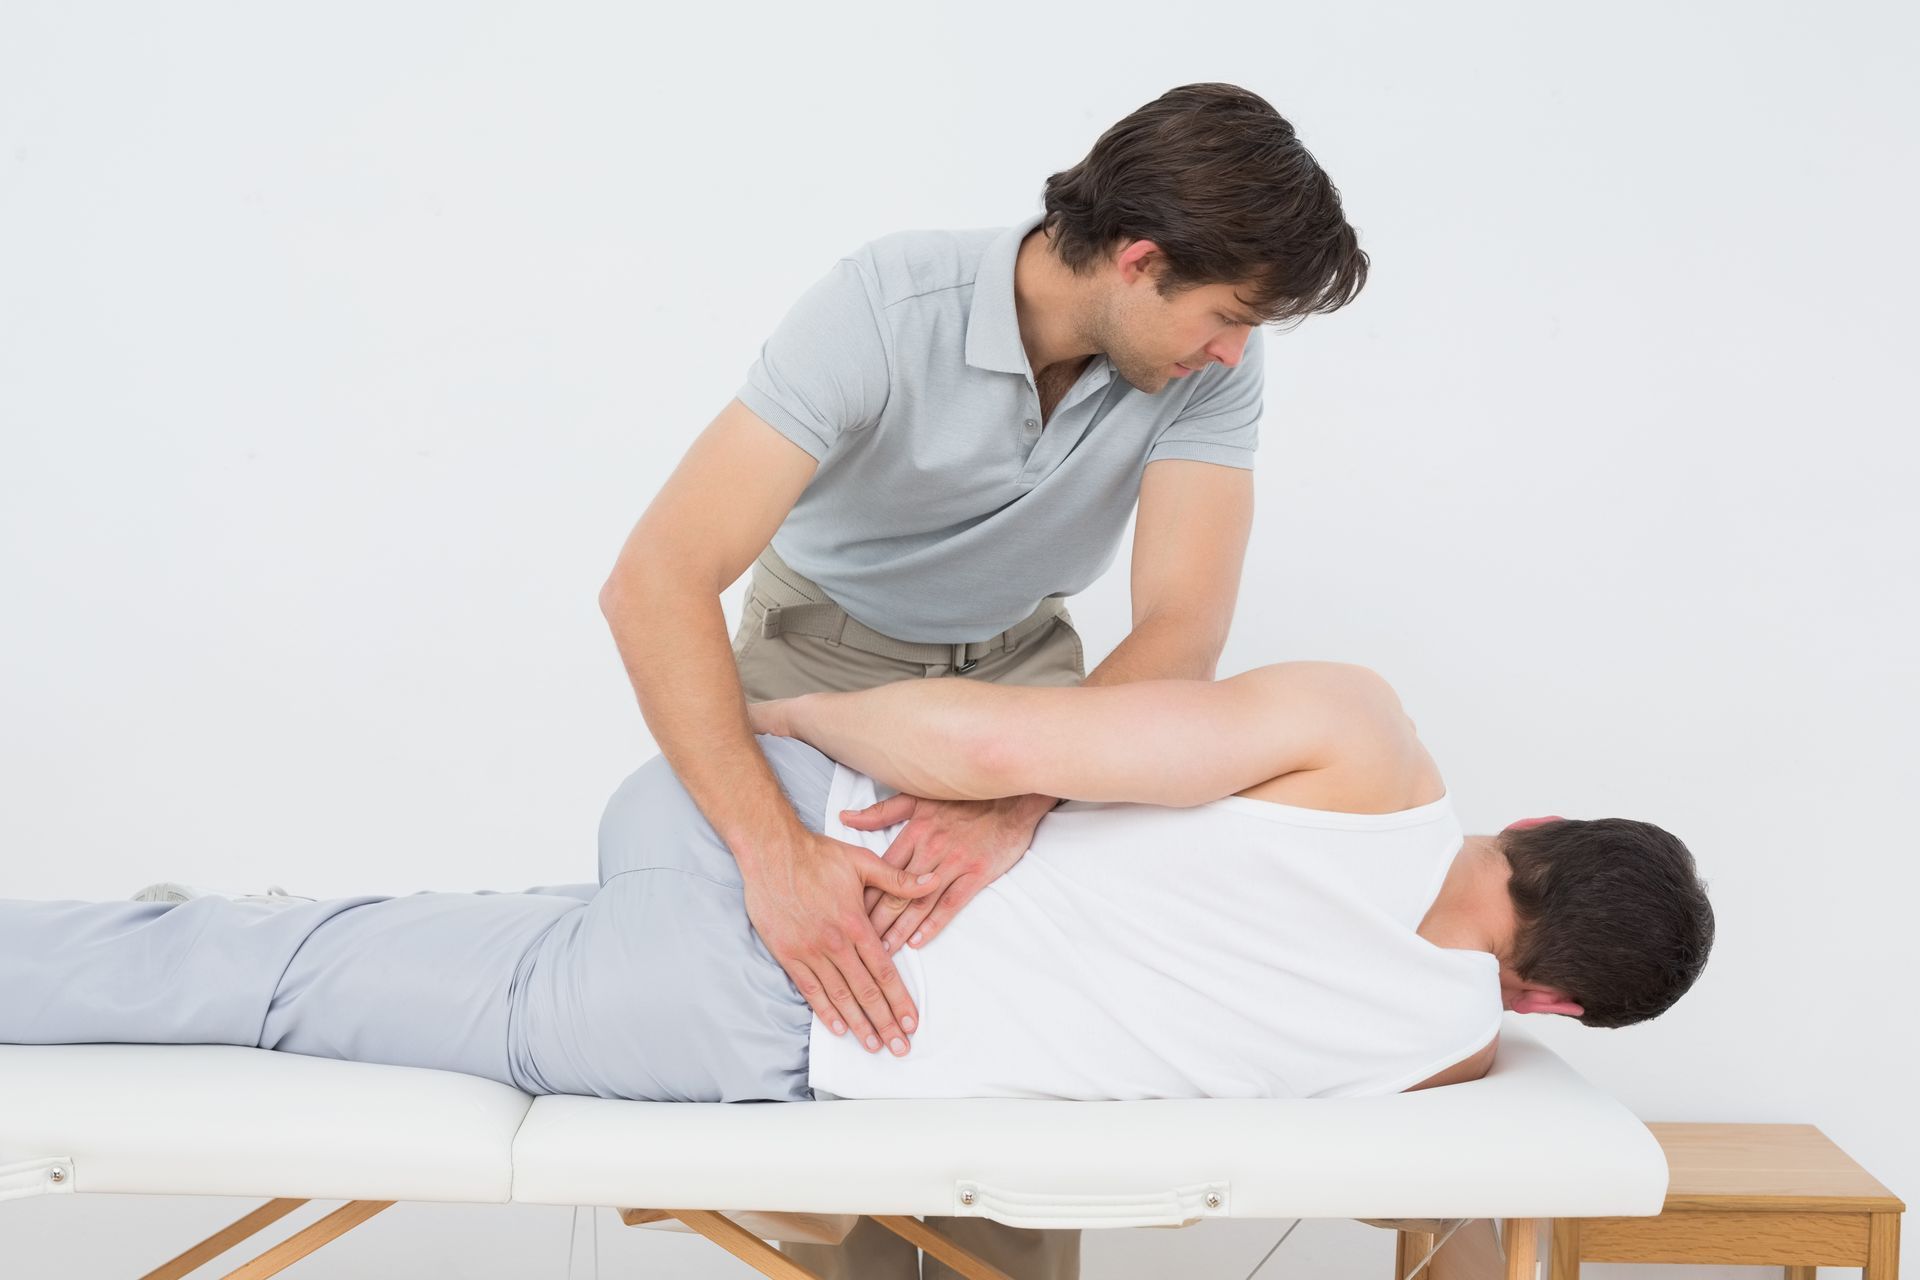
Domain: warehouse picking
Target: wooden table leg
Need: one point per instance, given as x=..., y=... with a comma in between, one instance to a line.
x=1883, y=1248
x=303, y=1242
x=222, y=1240
x=743, y=1244
x=1563, y=1255
x=1408, y=1248
x=916, y=1232
x=1521, y=1239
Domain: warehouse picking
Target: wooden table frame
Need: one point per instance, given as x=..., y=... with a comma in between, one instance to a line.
x=1521, y=1241
x=1779, y=1195
x=717, y=1227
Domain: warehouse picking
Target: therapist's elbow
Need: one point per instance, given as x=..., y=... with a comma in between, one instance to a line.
x=609, y=597
x=639, y=574
x=625, y=599
x=616, y=593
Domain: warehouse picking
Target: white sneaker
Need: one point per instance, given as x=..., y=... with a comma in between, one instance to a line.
x=174, y=891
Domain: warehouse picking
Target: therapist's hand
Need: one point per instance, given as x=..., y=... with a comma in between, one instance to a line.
x=805, y=901
x=966, y=844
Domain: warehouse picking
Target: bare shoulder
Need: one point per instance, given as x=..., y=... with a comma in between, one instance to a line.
x=1471, y=1068
x=1372, y=760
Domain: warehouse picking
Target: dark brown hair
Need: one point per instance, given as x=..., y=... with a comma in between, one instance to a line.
x=1611, y=911
x=1216, y=178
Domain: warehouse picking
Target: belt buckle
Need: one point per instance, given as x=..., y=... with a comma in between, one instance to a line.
x=959, y=661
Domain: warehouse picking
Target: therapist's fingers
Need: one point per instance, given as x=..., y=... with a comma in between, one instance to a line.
x=846, y=1006
x=899, y=853
x=816, y=995
x=908, y=930
x=879, y=992
x=916, y=854
x=958, y=895
x=854, y=948
x=895, y=926
x=881, y=813
x=901, y=931
x=899, y=999
x=808, y=915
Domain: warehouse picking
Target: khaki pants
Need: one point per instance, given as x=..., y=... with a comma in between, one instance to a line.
x=793, y=639
x=810, y=645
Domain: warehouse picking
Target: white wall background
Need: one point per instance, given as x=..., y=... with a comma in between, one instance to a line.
x=340, y=346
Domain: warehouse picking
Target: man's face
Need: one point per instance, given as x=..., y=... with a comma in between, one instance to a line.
x=1152, y=340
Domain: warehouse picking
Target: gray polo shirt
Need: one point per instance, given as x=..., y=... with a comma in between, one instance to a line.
x=941, y=510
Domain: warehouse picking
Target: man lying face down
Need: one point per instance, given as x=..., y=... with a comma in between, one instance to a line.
x=1256, y=887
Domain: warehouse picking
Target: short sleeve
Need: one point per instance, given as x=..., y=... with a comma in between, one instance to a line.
x=1222, y=421
x=824, y=369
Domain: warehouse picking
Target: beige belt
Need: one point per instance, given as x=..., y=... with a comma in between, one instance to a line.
x=828, y=621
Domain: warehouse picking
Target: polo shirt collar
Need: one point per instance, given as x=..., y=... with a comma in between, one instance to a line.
x=993, y=326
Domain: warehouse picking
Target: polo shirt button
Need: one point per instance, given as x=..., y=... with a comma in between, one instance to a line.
x=1032, y=423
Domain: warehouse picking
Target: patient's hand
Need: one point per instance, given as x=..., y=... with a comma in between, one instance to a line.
x=966, y=844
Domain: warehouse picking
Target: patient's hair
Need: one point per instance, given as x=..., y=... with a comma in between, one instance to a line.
x=1216, y=178
x=1611, y=911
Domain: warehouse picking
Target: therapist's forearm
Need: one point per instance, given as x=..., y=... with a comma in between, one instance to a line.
x=1162, y=646
x=672, y=636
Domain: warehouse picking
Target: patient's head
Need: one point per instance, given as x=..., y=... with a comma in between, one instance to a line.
x=1610, y=911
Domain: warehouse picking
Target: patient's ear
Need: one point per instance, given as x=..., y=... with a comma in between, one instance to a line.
x=1545, y=1000
x=1522, y=996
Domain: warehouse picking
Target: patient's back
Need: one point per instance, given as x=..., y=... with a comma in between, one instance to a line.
x=1240, y=948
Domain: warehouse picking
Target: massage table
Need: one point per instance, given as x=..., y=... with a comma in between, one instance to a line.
x=1530, y=1142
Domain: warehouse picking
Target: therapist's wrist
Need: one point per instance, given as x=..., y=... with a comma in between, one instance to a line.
x=770, y=852
x=758, y=824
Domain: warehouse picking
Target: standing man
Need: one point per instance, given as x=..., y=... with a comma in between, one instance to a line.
x=942, y=440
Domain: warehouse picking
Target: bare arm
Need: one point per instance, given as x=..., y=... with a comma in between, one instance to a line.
x=1189, y=541
x=804, y=892
x=715, y=513
x=1189, y=544
x=1170, y=742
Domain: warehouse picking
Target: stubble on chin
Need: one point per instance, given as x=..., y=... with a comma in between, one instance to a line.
x=1147, y=386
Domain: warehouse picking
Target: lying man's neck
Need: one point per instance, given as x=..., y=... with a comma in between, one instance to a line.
x=1474, y=911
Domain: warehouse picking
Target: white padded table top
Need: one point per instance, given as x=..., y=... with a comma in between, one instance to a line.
x=218, y=1120
x=1531, y=1140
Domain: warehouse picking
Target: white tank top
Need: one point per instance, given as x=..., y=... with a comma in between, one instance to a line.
x=1235, y=949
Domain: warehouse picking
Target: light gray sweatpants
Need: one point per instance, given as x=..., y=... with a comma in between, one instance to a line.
x=651, y=984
